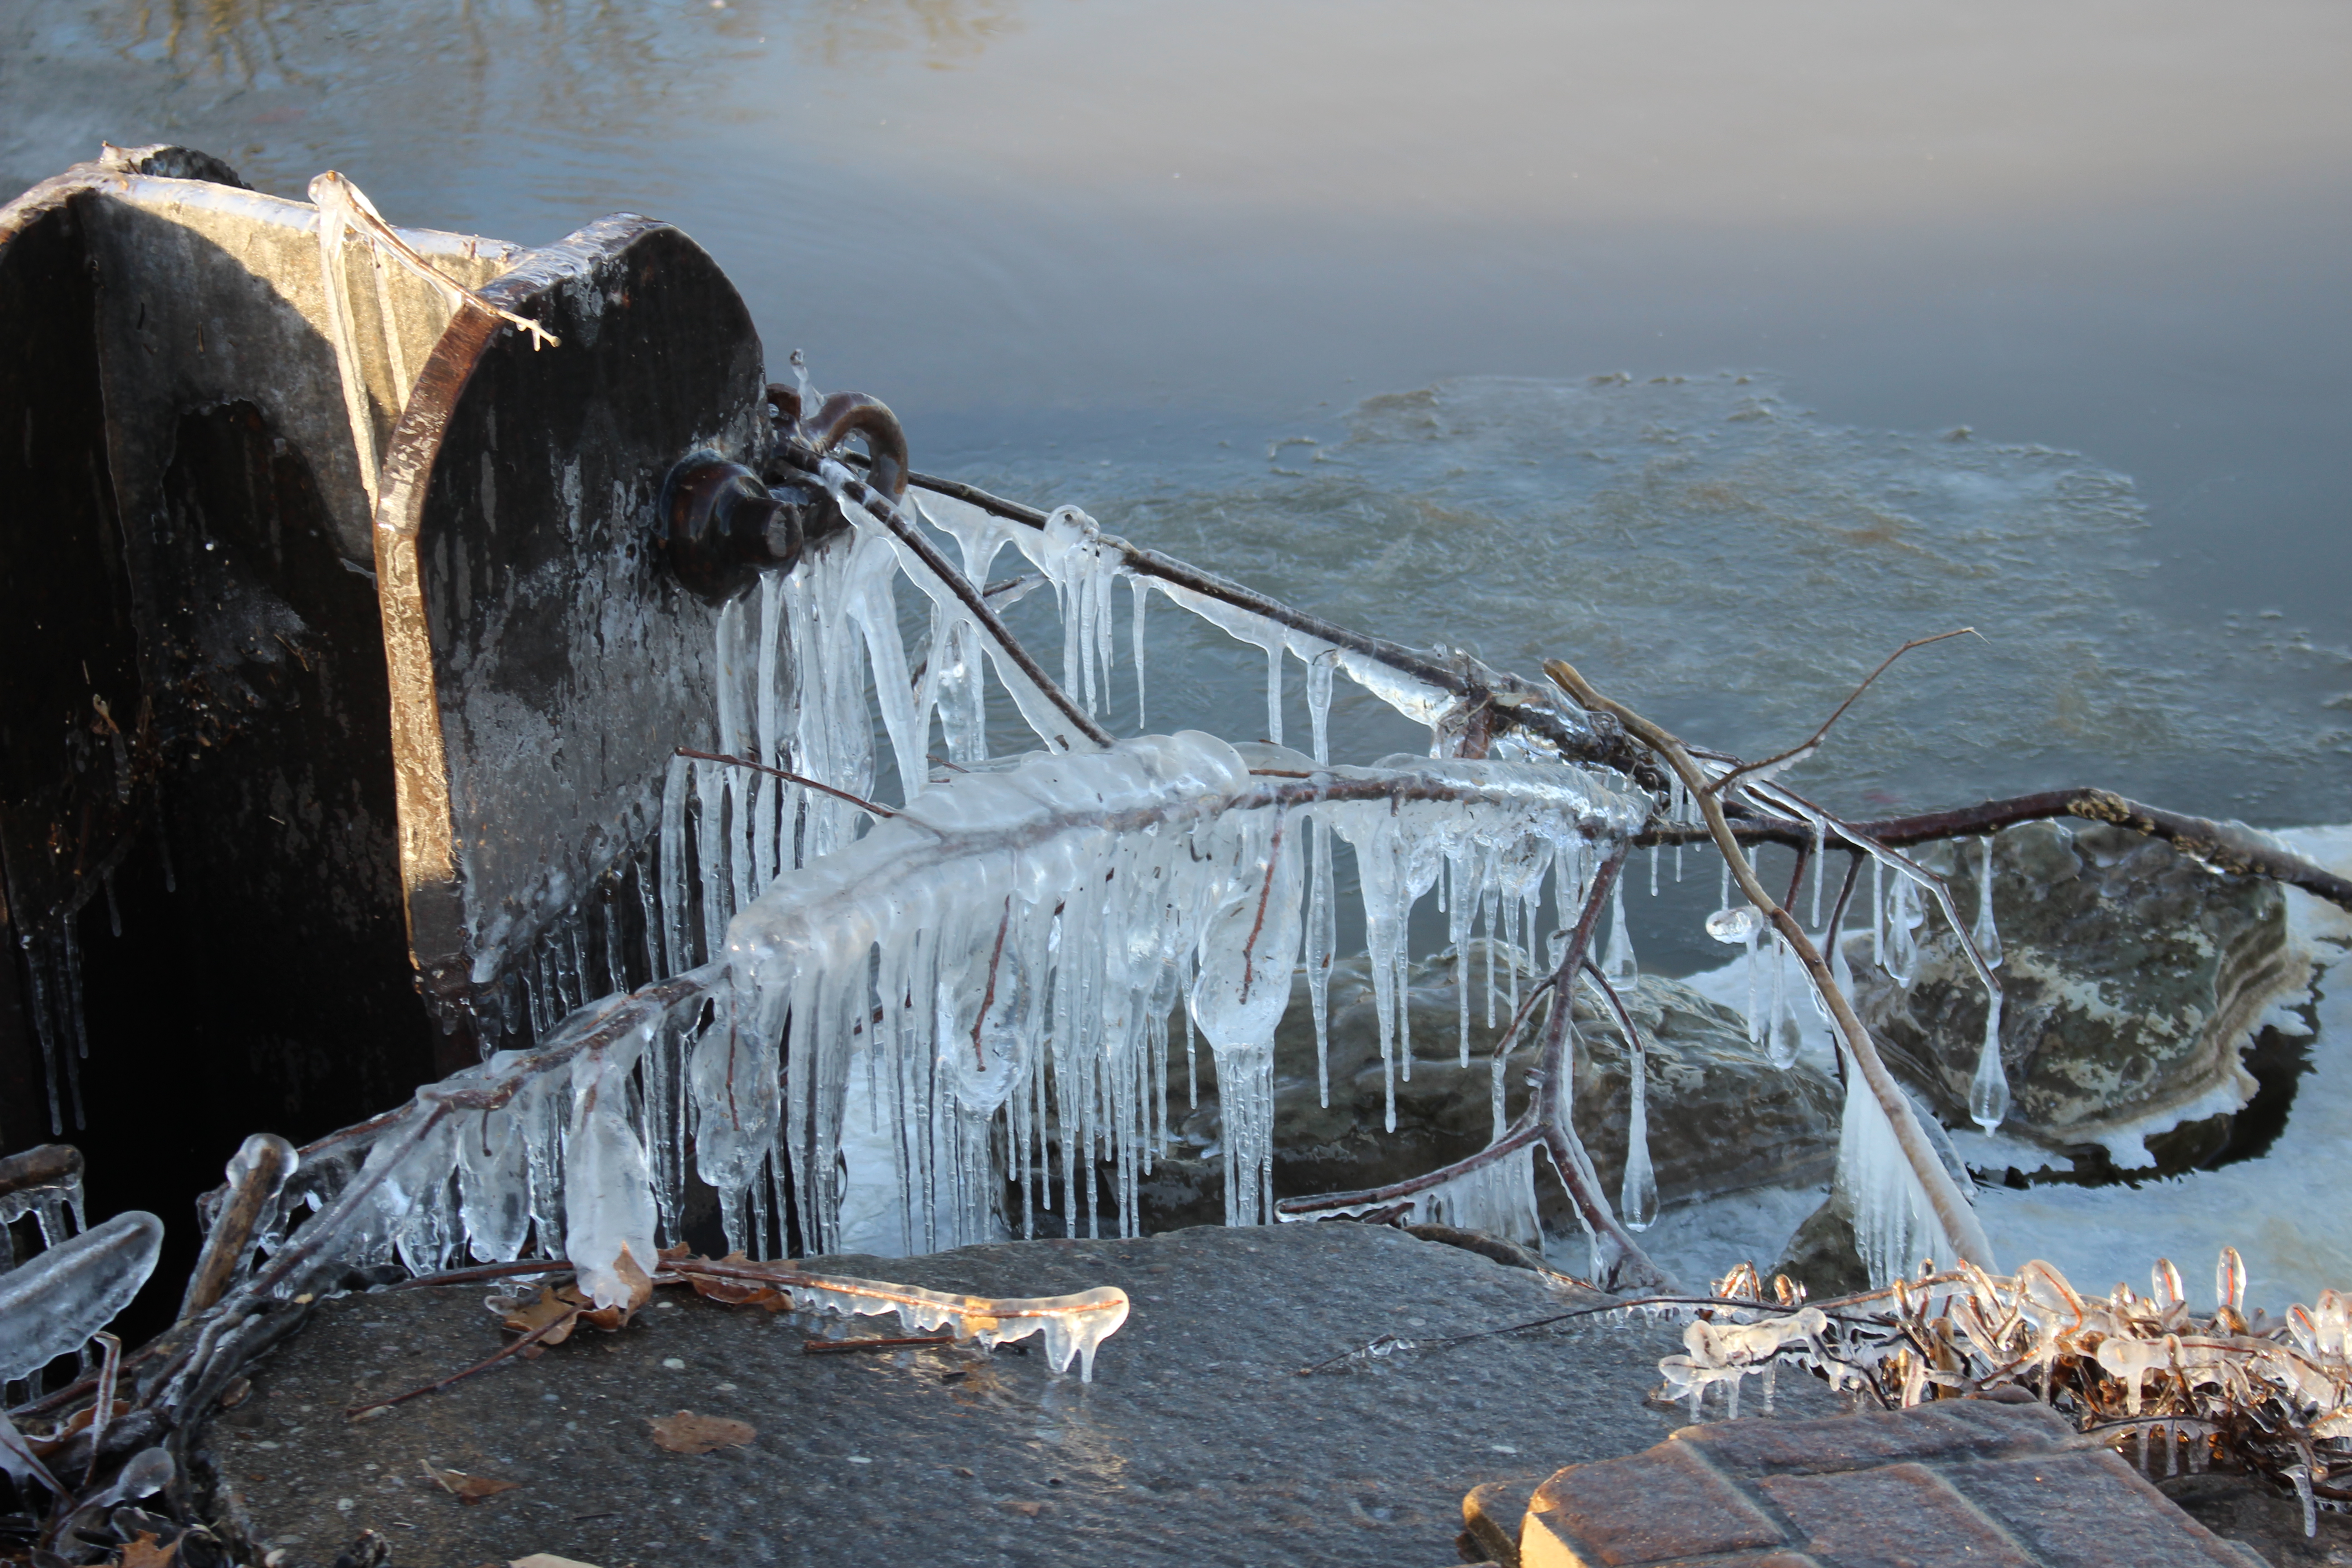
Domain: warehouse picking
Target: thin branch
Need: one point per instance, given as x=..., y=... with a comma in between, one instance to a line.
x=2226, y=846
x=520, y=1344
x=1815, y=739
x=785, y=774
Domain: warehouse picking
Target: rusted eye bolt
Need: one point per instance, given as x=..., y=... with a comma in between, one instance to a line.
x=719, y=526
x=847, y=414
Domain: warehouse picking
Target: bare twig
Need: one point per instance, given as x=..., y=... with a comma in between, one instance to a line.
x=789, y=777
x=894, y=1342
x=1814, y=740
x=519, y=1344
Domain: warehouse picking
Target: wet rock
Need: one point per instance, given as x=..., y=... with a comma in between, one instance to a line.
x=1722, y=1118
x=2137, y=986
x=1824, y=1255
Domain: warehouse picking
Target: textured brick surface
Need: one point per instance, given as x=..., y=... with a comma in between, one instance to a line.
x=1947, y=1429
x=1894, y=1516
x=1956, y=1484
x=2089, y=1510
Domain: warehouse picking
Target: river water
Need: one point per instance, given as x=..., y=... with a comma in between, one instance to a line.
x=1718, y=348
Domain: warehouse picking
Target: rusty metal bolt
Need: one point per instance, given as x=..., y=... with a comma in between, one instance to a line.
x=719, y=526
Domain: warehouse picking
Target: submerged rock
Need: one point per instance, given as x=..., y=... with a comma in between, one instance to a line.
x=2137, y=1027
x=1722, y=1118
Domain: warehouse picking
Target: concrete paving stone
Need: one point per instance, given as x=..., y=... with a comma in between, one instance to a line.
x=1894, y=1516
x=1657, y=1507
x=2091, y=1509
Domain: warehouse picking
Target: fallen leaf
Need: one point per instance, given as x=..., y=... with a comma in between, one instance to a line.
x=550, y=1308
x=687, y=1433
x=465, y=1487
x=641, y=1291
x=1030, y=1510
x=142, y=1552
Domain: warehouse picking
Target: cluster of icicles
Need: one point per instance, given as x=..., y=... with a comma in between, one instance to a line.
x=992, y=969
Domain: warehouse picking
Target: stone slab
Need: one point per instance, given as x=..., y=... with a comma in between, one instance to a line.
x=1197, y=1443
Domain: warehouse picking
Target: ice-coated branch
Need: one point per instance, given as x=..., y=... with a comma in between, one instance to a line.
x=1493, y=697
x=1952, y=1210
x=2225, y=845
x=886, y=509
x=1073, y=1325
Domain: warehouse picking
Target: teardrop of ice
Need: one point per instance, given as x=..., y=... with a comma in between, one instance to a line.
x=1989, y=1092
x=1987, y=935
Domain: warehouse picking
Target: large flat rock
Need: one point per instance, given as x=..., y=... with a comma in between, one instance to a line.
x=1198, y=1442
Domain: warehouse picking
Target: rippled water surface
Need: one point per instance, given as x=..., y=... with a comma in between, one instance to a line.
x=1717, y=349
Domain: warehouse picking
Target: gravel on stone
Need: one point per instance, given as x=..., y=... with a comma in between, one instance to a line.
x=1198, y=1442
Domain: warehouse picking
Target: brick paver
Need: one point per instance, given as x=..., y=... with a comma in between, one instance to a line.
x=1953, y=1484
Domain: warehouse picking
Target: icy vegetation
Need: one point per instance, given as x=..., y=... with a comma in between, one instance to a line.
x=1019, y=966
x=2177, y=1391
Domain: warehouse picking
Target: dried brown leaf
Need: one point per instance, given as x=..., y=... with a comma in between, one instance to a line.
x=465, y=1487
x=738, y=1292
x=143, y=1552
x=550, y=1308
x=687, y=1433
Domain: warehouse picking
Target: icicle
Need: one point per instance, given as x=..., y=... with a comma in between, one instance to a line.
x=1491, y=910
x=1878, y=912
x=1618, y=964
x=1783, y=1038
x=1462, y=904
x=1902, y=917
x=1755, y=1019
x=1142, y=587
x=1322, y=939
x=1893, y=1222
x=1273, y=693
x=2229, y=1280
x=1319, y=702
x=1987, y=935
x=1820, y=854
x=1654, y=871
x=672, y=867
x=1637, y=1200
x=1989, y=1090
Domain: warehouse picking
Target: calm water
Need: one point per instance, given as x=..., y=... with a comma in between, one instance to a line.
x=1116, y=251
